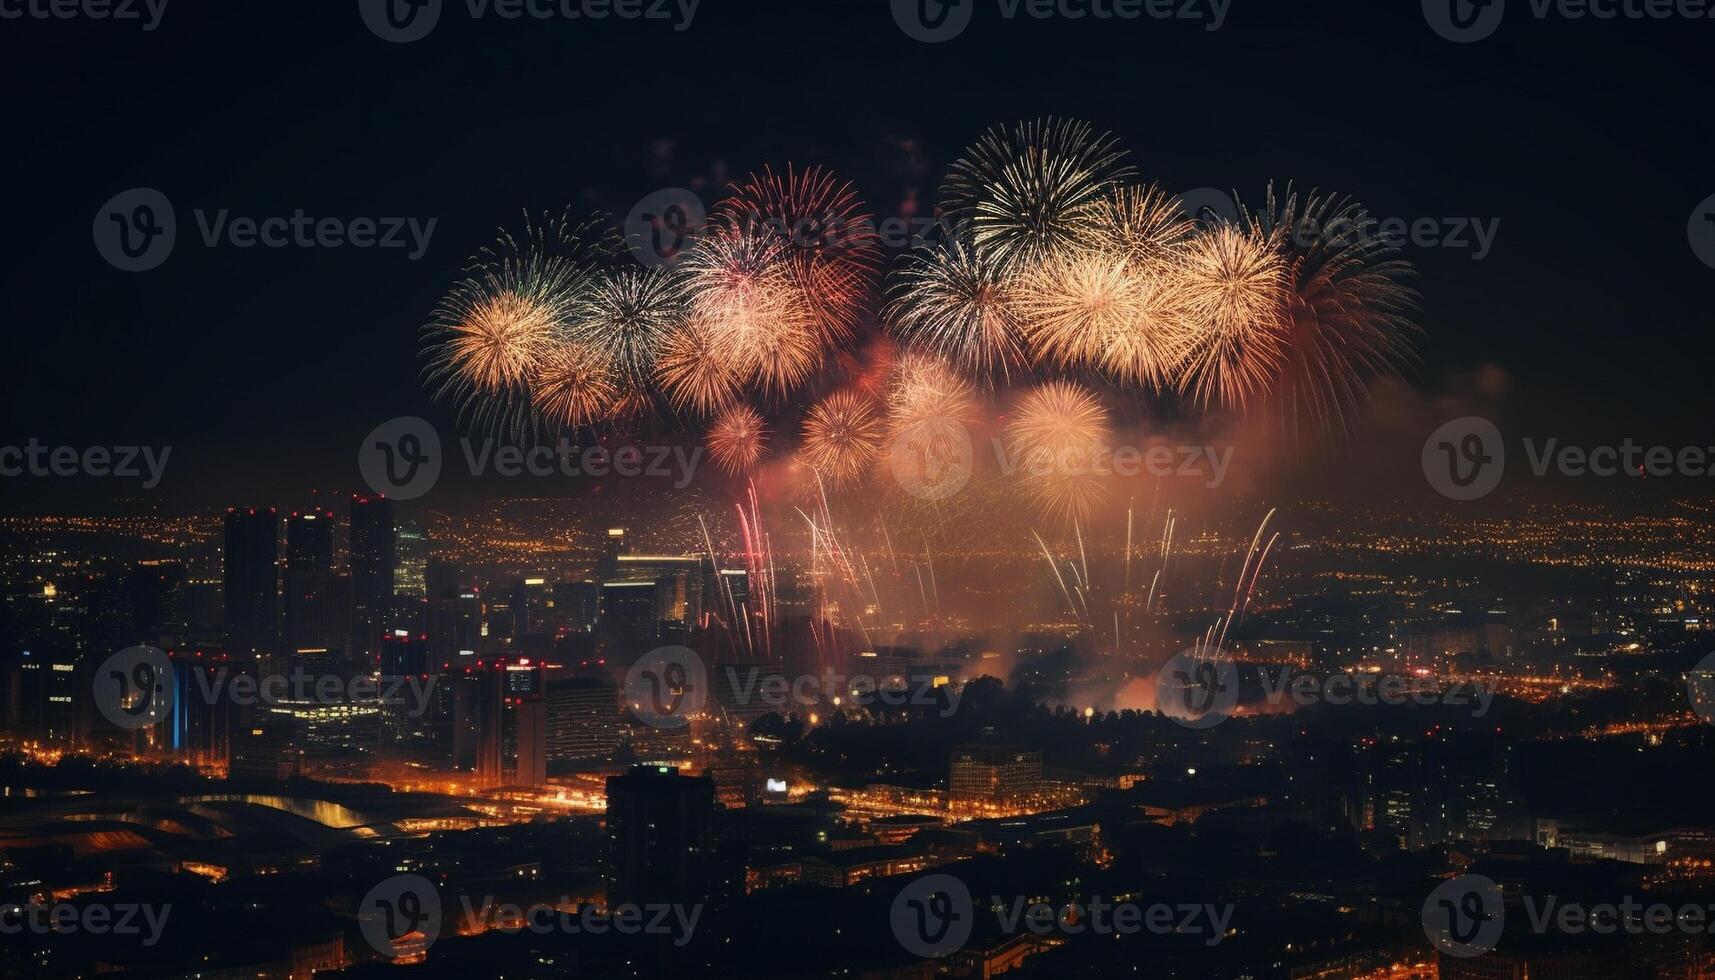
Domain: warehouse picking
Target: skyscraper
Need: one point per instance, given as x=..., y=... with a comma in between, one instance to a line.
x=374, y=564
x=251, y=569
x=309, y=580
x=660, y=835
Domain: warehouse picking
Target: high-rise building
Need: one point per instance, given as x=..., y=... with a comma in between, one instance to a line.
x=374, y=564
x=577, y=606
x=583, y=718
x=660, y=836
x=629, y=628
x=411, y=578
x=309, y=580
x=250, y=560
x=479, y=721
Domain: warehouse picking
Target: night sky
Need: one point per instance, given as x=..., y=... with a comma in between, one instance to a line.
x=1589, y=140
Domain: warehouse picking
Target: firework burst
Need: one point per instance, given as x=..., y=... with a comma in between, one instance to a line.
x=1058, y=438
x=627, y=314
x=572, y=386
x=827, y=238
x=954, y=301
x=842, y=437
x=1348, y=314
x=1236, y=287
x=486, y=336
x=1021, y=193
x=696, y=375
x=1101, y=310
x=737, y=438
x=1144, y=224
x=757, y=317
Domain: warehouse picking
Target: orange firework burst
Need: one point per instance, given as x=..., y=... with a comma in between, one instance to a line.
x=495, y=345
x=842, y=437
x=1086, y=308
x=757, y=317
x=573, y=385
x=1236, y=287
x=954, y=301
x=1020, y=193
x=1348, y=311
x=828, y=241
x=696, y=376
x=1059, y=441
x=926, y=387
x=1145, y=224
x=489, y=332
x=737, y=438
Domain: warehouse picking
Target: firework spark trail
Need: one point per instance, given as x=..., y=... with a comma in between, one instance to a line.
x=1152, y=584
x=1256, y=574
x=1083, y=556
x=934, y=586
x=1054, y=567
x=1128, y=519
x=1236, y=611
x=923, y=592
x=725, y=586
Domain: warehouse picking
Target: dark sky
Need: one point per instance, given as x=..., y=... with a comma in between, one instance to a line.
x=1589, y=140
